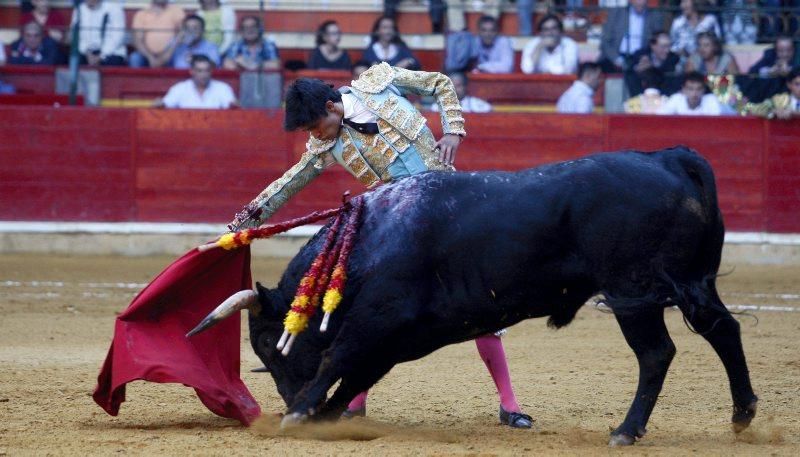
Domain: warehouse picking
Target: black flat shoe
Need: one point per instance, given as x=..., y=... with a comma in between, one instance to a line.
x=351, y=413
x=515, y=420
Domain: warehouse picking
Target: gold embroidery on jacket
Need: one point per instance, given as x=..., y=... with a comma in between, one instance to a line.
x=355, y=162
x=378, y=153
x=376, y=79
x=316, y=146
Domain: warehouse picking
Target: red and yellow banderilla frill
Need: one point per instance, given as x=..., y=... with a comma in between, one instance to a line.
x=306, y=298
x=337, y=247
x=333, y=296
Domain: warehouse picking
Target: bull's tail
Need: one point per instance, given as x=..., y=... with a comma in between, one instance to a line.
x=694, y=288
x=699, y=294
x=686, y=162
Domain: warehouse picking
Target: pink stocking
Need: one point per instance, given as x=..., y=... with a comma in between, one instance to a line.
x=490, y=347
x=359, y=402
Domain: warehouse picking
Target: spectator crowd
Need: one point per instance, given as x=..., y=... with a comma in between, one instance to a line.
x=657, y=53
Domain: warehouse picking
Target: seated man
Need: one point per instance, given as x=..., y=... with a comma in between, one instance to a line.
x=253, y=50
x=626, y=31
x=191, y=42
x=154, y=28
x=494, y=53
x=200, y=91
x=469, y=104
x=656, y=58
x=692, y=100
x=778, y=61
x=550, y=52
x=101, y=37
x=35, y=48
x=578, y=98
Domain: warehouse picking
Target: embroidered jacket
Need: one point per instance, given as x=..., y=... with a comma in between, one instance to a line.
x=403, y=146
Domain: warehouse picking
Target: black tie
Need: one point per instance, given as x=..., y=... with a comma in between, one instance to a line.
x=369, y=128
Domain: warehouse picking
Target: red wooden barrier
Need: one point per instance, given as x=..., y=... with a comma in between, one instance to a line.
x=30, y=79
x=519, y=88
x=81, y=164
x=38, y=99
x=148, y=83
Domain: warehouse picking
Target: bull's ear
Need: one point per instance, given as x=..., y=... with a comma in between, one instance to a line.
x=270, y=302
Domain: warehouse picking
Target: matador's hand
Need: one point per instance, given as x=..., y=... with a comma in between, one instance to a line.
x=447, y=147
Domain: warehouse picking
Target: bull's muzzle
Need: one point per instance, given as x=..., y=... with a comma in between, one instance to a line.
x=244, y=299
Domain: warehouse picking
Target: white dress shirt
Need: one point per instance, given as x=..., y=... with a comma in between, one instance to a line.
x=677, y=104
x=469, y=104
x=218, y=95
x=91, y=36
x=562, y=60
x=576, y=99
x=356, y=111
x=632, y=40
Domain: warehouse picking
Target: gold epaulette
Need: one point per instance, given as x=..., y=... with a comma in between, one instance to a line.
x=375, y=80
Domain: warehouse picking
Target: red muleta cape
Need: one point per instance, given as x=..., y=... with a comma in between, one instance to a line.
x=150, y=343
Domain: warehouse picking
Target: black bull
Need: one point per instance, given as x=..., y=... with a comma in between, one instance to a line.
x=442, y=258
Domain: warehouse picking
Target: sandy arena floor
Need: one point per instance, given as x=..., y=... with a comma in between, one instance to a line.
x=57, y=322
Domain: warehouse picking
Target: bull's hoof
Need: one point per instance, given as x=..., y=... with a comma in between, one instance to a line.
x=621, y=439
x=743, y=416
x=292, y=420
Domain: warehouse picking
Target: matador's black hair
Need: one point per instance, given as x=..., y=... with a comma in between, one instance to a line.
x=305, y=102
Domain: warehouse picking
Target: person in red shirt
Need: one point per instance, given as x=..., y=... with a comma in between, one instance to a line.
x=53, y=23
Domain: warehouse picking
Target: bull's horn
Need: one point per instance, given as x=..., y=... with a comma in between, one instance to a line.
x=236, y=302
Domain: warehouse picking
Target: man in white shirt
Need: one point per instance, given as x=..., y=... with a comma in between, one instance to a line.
x=101, y=37
x=692, y=100
x=200, y=91
x=469, y=104
x=550, y=52
x=578, y=98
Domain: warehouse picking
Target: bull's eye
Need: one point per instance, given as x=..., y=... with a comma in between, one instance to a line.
x=264, y=343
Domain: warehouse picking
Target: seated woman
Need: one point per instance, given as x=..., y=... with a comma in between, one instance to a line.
x=710, y=58
x=688, y=25
x=328, y=55
x=387, y=46
x=550, y=52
